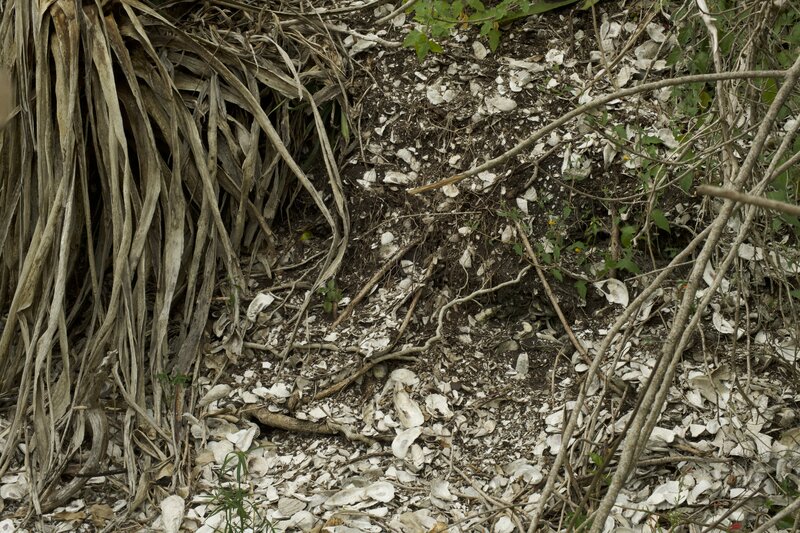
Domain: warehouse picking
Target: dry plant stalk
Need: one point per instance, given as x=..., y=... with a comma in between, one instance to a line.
x=740, y=197
x=588, y=106
x=6, y=97
x=688, y=314
x=654, y=396
x=138, y=167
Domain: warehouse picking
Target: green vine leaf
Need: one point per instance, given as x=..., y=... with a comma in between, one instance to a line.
x=421, y=44
x=580, y=287
x=660, y=220
x=626, y=236
x=439, y=17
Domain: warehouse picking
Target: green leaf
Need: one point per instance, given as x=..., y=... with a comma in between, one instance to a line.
x=795, y=293
x=785, y=58
x=780, y=192
x=418, y=41
x=705, y=99
x=456, y=7
x=557, y=274
x=587, y=4
x=769, y=91
x=439, y=30
x=421, y=44
x=794, y=36
x=580, y=286
x=660, y=220
x=674, y=56
x=494, y=39
x=791, y=219
x=476, y=5
x=626, y=235
x=596, y=459
x=626, y=263
x=700, y=62
x=544, y=7
x=414, y=38
x=686, y=181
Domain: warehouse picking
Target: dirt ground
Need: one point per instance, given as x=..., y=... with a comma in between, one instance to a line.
x=427, y=387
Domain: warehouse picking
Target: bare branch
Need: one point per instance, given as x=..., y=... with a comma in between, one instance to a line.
x=744, y=198
x=597, y=102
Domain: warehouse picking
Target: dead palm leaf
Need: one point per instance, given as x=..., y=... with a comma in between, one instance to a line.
x=143, y=156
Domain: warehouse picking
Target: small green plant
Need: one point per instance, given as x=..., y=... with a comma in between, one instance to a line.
x=625, y=261
x=331, y=295
x=438, y=18
x=676, y=518
x=169, y=382
x=232, y=498
x=473, y=224
x=789, y=490
x=581, y=288
x=578, y=519
x=513, y=214
x=177, y=379
x=550, y=250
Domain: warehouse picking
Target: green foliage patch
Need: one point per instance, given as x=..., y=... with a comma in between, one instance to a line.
x=438, y=18
x=233, y=498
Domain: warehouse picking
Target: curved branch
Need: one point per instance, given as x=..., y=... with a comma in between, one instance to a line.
x=597, y=102
x=99, y=424
x=744, y=198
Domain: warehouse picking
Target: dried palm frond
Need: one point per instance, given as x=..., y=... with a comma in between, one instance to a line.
x=144, y=154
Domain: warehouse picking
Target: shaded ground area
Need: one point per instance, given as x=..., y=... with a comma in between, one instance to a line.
x=427, y=387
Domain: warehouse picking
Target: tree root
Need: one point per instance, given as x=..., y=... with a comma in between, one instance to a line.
x=60, y=496
x=289, y=423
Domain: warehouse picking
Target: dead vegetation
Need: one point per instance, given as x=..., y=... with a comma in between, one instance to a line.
x=157, y=150
x=149, y=154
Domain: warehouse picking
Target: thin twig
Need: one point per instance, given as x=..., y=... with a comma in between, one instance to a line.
x=336, y=387
x=597, y=102
x=744, y=198
x=393, y=14
x=488, y=499
x=655, y=396
x=367, y=288
x=557, y=308
x=415, y=299
x=549, y=291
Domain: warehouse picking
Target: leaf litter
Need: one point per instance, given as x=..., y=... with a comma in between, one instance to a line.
x=438, y=435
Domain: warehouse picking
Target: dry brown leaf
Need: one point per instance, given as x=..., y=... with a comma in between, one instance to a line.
x=66, y=516
x=100, y=514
